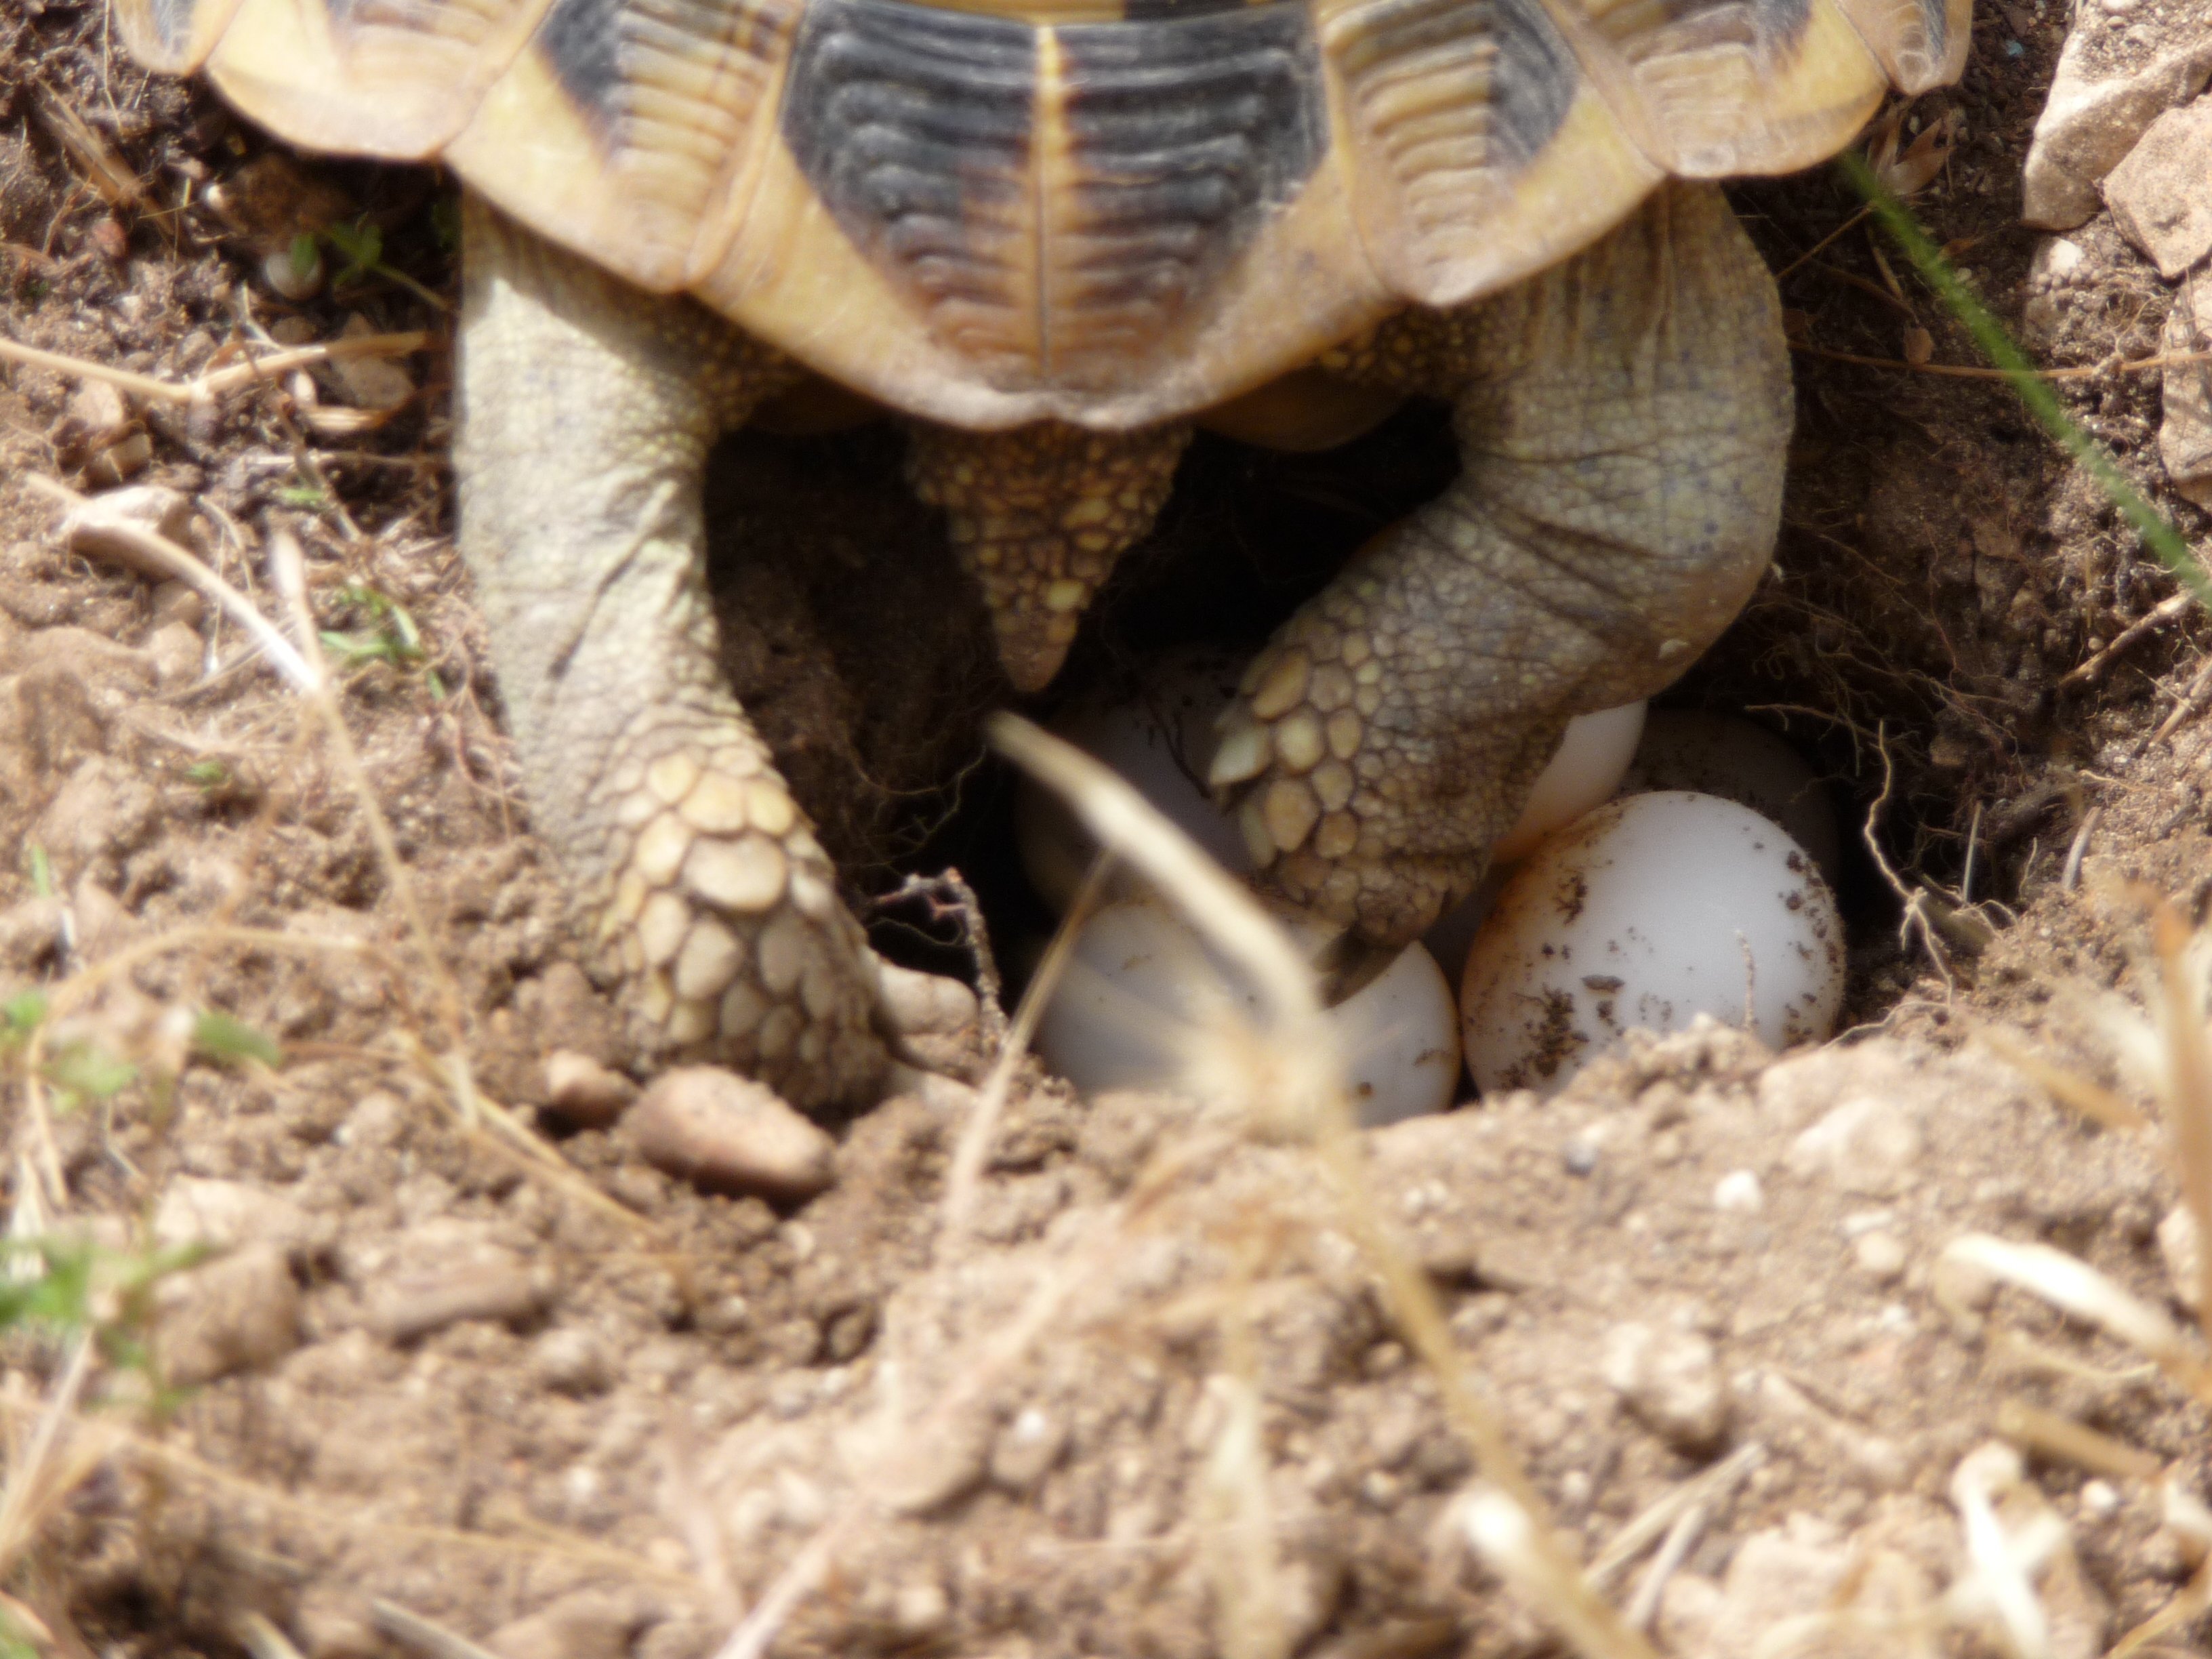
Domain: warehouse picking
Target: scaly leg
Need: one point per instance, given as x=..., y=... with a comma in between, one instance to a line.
x=1038, y=515
x=1623, y=419
x=588, y=408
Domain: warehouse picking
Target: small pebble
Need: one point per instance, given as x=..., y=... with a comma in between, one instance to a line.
x=920, y=1610
x=919, y=1004
x=293, y=280
x=510, y=1294
x=1739, y=1191
x=588, y=1623
x=1671, y=1380
x=370, y=382
x=379, y=1119
x=1881, y=1256
x=173, y=602
x=1772, y=1577
x=583, y=1091
x=571, y=1360
x=1026, y=1449
x=198, y=1210
x=729, y=1134
x=176, y=654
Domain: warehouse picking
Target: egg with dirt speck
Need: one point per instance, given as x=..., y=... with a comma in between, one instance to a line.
x=1725, y=755
x=1644, y=914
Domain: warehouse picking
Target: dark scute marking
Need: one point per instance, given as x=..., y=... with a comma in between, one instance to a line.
x=1937, y=17
x=603, y=51
x=914, y=126
x=1536, y=76
x=582, y=40
x=1155, y=11
x=1532, y=83
x=1186, y=134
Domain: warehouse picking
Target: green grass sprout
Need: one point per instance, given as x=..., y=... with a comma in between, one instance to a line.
x=395, y=639
x=2157, y=533
x=227, y=1039
x=361, y=246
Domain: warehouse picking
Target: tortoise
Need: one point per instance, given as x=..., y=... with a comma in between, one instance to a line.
x=1054, y=236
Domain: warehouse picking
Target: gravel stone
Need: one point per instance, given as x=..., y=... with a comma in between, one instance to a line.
x=729, y=1134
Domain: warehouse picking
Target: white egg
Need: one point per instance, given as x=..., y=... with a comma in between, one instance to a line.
x=1141, y=990
x=1162, y=739
x=1592, y=757
x=1587, y=768
x=1727, y=756
x=1651, y=910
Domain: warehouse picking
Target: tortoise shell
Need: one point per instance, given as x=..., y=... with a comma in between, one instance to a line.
x=1109, y=212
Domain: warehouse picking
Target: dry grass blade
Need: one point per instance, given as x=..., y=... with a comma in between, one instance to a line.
x=1236, y=1522
x=1219, y=906
x=2188, y=1082
x=110, y=177
x=2157, y=616
x=2092, y=1100
x=419, y=1635
x=154, y=555
x=287, y=575
x=2192, y=1601
x=2077, y=1288
x=50, y=1467
x=230, y=378
x=980, y=1130
x=1513, y=1545
x=2061, y=1439
x=1705, y=1490
x=1999, y=1582
x=263, y=1640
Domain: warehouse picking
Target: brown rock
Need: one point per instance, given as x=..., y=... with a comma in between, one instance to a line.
x=728, y=1134
x=2184, y=436
x=2088, y=124
x=1671, y=1380
x=198, y=1210
x=2158, y=195
x=442, y=1272
x=240, y=1312
x=583, y=1091
x=175, y=651
x=105, y=811
x=919, y=1004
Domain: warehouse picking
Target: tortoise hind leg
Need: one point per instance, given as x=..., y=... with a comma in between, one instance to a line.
x=1622, y=420
x=587, y=409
